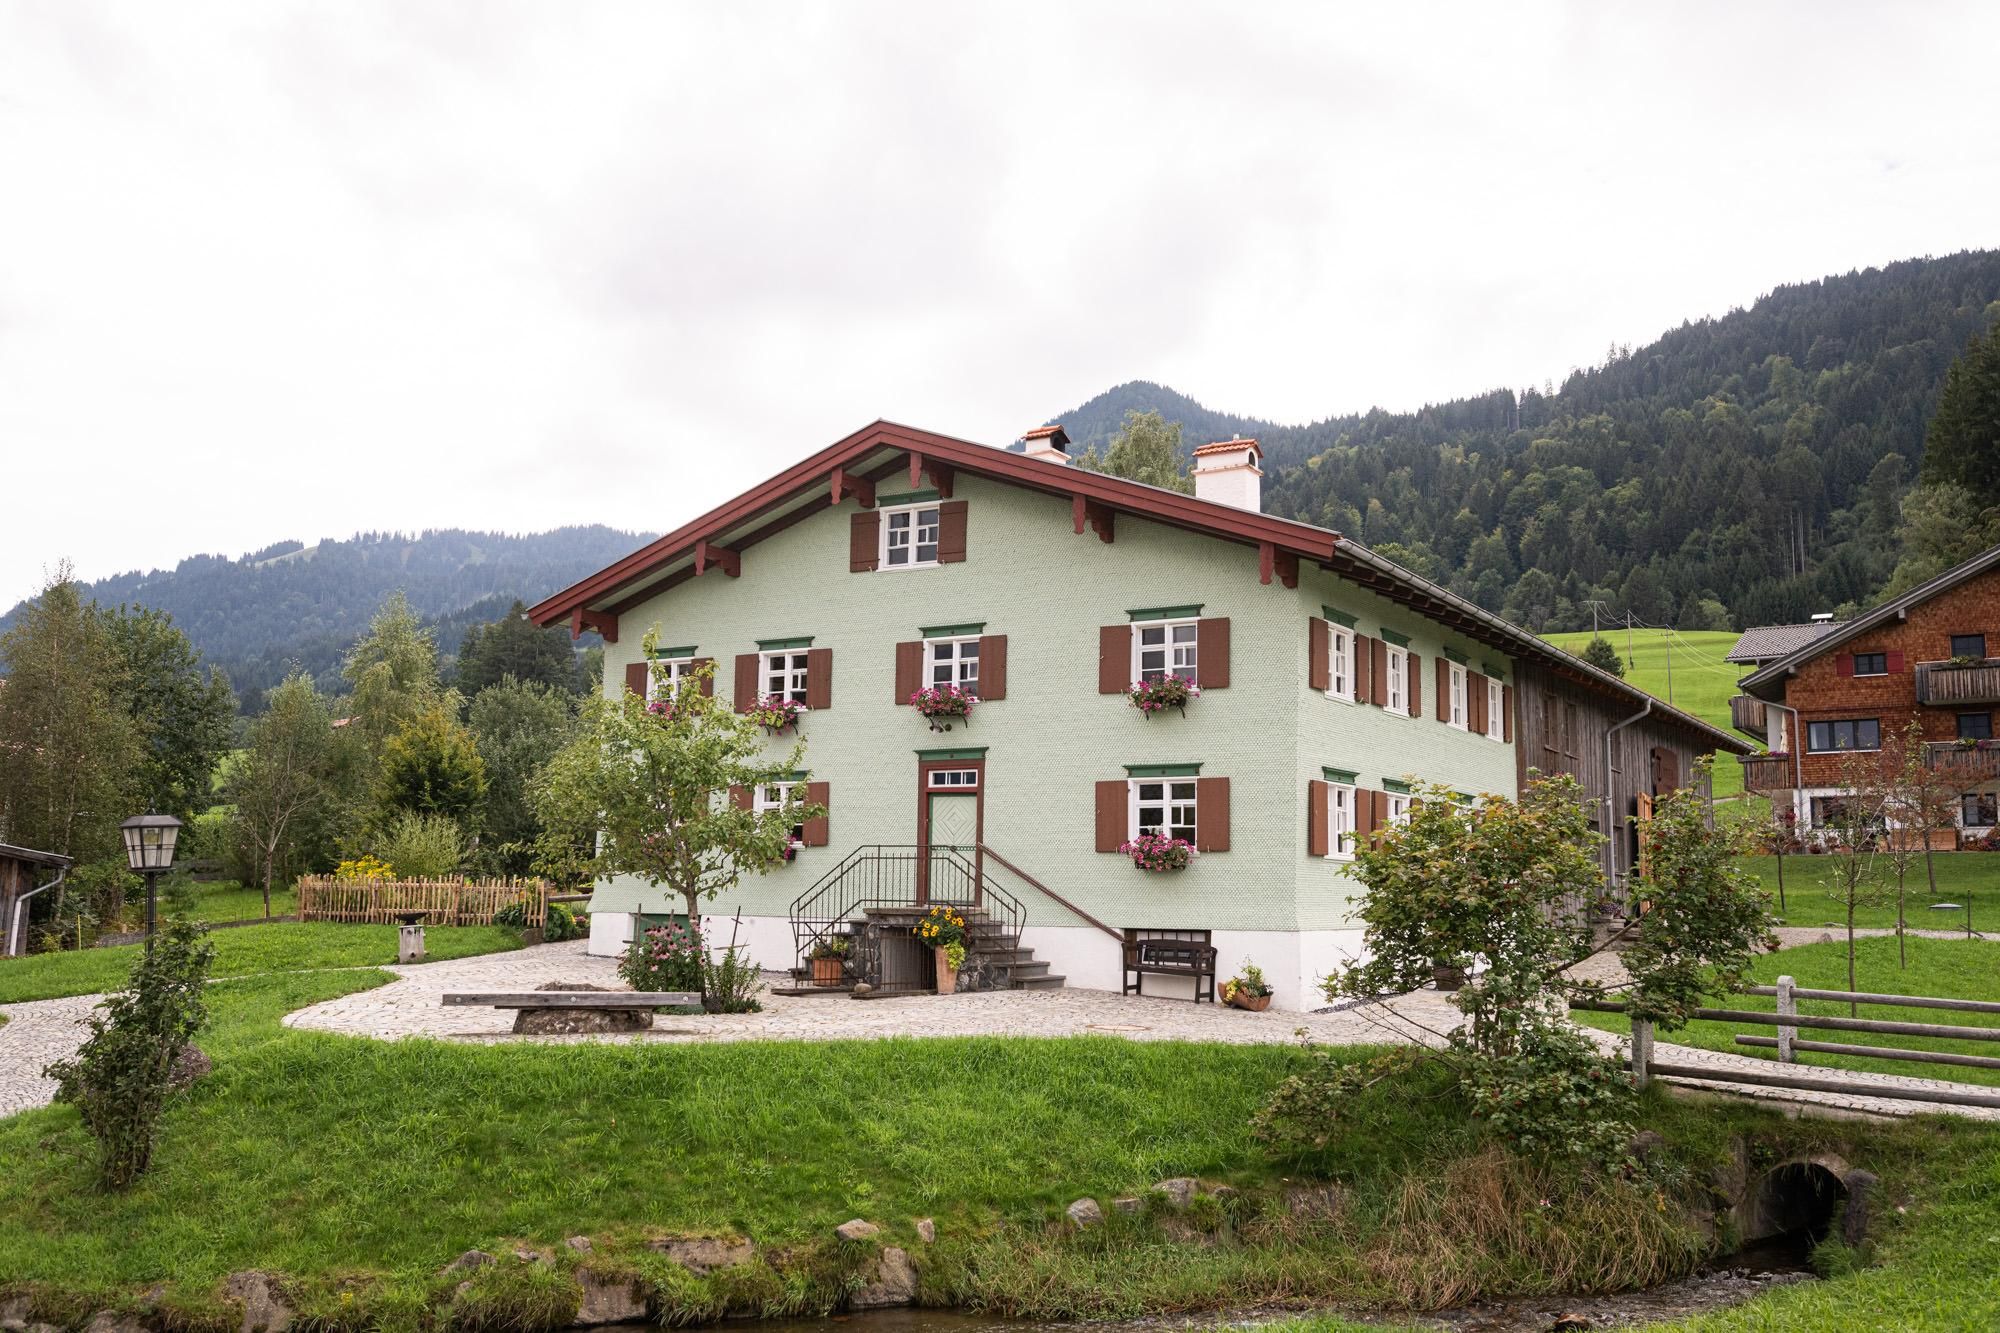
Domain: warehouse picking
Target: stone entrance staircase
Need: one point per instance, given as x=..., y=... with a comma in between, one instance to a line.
x=995, y=957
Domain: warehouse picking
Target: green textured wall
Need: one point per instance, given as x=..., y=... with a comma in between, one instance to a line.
x=1028, y=576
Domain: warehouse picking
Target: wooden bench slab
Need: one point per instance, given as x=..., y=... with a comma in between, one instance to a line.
x=576, y=999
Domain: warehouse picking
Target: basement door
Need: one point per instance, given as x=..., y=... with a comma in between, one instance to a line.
x=950, y=809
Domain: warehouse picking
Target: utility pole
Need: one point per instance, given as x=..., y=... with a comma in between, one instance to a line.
x=1631, y=662
x=1667, y=637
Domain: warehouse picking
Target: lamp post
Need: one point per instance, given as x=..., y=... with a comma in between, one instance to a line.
x=149, y=850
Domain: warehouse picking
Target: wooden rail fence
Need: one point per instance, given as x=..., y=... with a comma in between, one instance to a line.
x=446, y=902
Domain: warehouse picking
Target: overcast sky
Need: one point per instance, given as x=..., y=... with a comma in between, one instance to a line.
x=279, y=271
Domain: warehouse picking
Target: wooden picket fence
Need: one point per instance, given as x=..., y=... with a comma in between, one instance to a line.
x=448, y=902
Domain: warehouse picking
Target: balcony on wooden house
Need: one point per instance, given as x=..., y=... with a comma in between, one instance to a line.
x=1747, y=714
x=1969, y=762
x=1768, y=772
x=1959, y=681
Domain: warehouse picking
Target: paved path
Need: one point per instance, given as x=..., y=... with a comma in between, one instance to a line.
x=34, y=1035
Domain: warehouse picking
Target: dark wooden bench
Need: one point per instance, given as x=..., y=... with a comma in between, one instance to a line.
x=1170, y=958
x=576, y=999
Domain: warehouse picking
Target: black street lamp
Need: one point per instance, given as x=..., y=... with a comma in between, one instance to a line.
x=149, y=851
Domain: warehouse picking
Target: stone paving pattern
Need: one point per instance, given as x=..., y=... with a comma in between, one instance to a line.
x=47, y=1030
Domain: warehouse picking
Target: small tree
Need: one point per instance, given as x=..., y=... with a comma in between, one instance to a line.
x=664, y=785
x=431, y=766
x=122, y=1078
x=1600, y=654
x=291, y=792
x=1146, y=448
x=1853, y=827
x=1923, y=803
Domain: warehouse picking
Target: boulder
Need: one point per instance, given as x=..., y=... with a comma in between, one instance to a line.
x=894, y=1282
x=1180, y=1191
x=190, y=1066
x=702, y=1254
x=1084, y=1213
x=926, y=1230
x=579, y=1022
x=1131, y=1203
x=14, y=1313
x=580, y=1244
x=1314, y=1203
x=107, y=1321
x=609, y=1300
x=1854, y=1214
x=468, y=1262
x=855, y=1229
x=1645, y=1145
x=265, y=1309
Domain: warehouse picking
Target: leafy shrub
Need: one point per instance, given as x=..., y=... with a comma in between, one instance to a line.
x=366, y=867
x=422, y=846
x=121, y=1079
x=730, y=982
x=562, y=924
x=664, y=958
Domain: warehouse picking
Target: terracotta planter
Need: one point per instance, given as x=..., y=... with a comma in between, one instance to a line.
x=827, y=971
x=947, y=975
x=1256, y=1004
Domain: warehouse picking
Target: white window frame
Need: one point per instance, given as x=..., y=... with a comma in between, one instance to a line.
x=1460, y=705
x=1339, y=663
x=956, y=662
x=1340, y=798
x=952, y=779
x=793, y=670
x=668, y=672
x=1170, y=647
x=1168, y=801
x=772, y=796
x=1399, y=808
x=1398, y=670
x=887, y=547
x=1496, y=711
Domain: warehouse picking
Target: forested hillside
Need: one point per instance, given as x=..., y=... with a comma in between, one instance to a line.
x=1747, y=469
x=289, y=602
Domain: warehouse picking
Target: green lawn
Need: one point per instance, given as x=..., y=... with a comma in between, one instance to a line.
x=1965, y=878
x=1950, y=969
x=245, y=951
x=1701, y=681
x=226, y=900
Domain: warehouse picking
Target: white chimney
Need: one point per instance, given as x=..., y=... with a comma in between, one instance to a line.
x=1227, y=473
x=1048, y=443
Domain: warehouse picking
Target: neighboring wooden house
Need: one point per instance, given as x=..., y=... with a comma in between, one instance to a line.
x=23, y=872
x=1929, y=655
x=1332, y=681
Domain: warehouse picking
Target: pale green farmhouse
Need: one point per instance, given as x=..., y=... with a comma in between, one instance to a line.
x=1330, y=681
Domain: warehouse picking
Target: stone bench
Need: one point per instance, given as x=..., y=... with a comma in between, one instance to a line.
x=567, y=1008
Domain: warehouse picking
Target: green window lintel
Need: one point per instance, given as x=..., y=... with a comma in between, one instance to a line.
x=1344, y=776
x=668, y=654
x=1165, y=612
x=905, y=498
x=1495, y=672
x=1463, y=797
x=1392, y=636
x=969, y=753
x=951, y=631
x=1162, y=770
x=1455, y=656
x=1397, y=785
x=779, y=645
x=1337, y=617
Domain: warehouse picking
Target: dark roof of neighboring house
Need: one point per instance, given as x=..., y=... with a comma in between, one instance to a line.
x=8, y=852
x=881, y=452
x=1766, y=642
x=1768, y=681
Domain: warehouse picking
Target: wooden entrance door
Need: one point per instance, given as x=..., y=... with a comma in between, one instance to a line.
x=951, y=809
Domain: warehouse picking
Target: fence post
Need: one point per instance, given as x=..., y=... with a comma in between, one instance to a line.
x=1788, y=1007
x=1642, y=1051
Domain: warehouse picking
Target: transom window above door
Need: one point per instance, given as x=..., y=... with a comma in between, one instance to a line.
x=952, y=662
x=910, y=537
x=1163, y=806
x=953, y=779
x=1164, y=648
x=784, y=674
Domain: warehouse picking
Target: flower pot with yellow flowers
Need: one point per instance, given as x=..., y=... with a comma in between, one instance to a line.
x=943, y=929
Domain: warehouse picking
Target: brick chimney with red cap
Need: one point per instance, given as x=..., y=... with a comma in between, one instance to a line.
x=1048, y=443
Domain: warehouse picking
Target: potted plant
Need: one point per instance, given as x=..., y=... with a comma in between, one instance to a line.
x=943, y=929
x=1157, y=852
x=1153, y=696
x=1249, y=990
x=941, y=704
x=829, y=960
x=776, y=713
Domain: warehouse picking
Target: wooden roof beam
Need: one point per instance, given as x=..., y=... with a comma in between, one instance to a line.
x=707, y=557
x=603, y=622
x=844, y=483
x=1100, y=517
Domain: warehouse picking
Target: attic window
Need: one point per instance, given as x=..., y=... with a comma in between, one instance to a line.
x=910, y=537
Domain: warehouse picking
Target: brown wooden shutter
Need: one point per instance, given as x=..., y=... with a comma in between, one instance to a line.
x=1507, y=712
x=909, y=670
x=1413, y=672
x=707, y=681
x=864, y=537
x=992, y=667
x=1892, y=663
x=1111, y=815
x=1316, y=812
x=746, y=682
x=1319, y=650
x=1114, y=660
x=1364, y=816
x=1211, y=653
x=1444, y=690
x=1475, y=701
x=1844, y=664
x=1211, y=813
x=1363, y=669
x=638, y=678
x=740, y=797
x=951, y=532
x=814, y=831
x=819, y=678
x=1379, y=674
x=1380, y=800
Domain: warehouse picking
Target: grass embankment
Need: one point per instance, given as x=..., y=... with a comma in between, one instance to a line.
x=359, y=1168
x=245, y=951
x=1950, y=969
x=1963, y=878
